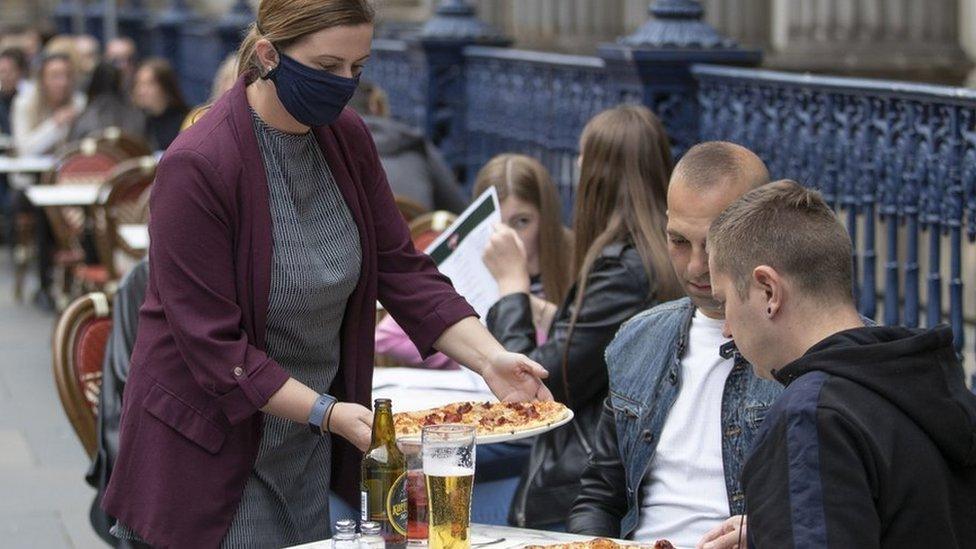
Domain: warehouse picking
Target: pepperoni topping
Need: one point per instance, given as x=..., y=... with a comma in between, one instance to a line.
x=464, y=408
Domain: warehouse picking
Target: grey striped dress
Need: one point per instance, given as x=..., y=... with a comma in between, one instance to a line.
x=317, y=261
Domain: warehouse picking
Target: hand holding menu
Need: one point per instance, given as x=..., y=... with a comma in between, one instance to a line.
x=458, y=250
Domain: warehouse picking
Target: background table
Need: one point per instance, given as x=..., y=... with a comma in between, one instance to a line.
x=26, y=164
x=494, y=537
x=136, y=236
x=62, y=195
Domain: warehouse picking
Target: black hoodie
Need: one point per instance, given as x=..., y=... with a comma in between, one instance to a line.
x=872, y=444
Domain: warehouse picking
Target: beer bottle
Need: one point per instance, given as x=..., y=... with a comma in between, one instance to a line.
x=384, y=474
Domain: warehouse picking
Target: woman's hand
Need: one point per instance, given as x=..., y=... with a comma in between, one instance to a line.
x=352, y=422
x=726, y=535
x=506, y=260
x=514, y=377
x=65, y=115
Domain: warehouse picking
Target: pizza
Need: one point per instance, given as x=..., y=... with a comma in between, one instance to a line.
x=489, y=418
x=603, y=543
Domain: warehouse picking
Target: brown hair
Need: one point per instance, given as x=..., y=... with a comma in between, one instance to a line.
x=526, y=179
x=166, y=78
x=622, y=197
x=789, y=228
x=622, y=194
x=285, y=22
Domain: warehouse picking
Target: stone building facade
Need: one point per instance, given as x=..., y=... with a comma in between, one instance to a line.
x=926, y=40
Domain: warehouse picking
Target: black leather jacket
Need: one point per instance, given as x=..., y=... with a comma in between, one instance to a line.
x=617, y=288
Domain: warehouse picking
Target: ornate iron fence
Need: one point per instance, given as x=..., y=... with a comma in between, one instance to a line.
x=891, y=156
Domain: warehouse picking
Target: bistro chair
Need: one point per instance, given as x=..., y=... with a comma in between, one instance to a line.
x=85, y=162
x=79, y=343
x=123, y=199
x=410, y=209
x=128, y=144
x=425, y=229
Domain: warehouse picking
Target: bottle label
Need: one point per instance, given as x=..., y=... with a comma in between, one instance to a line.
x=364, y=505
x=396, y=504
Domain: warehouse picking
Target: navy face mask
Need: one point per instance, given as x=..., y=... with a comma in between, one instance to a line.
x=314, y=97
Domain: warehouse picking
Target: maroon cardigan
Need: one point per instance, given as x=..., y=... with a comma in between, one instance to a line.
x=190, y=421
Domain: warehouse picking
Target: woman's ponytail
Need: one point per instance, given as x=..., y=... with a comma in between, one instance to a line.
x=247, y=53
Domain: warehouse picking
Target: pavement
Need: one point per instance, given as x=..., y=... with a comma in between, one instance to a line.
x=44, y=499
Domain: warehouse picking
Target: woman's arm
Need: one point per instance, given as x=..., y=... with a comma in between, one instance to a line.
x=613, y=294
x=294, y=401
x=510, y=376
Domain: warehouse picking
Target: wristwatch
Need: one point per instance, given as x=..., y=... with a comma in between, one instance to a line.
x=320, y=409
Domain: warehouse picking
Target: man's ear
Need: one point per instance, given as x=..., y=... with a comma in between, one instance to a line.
x=766, y=280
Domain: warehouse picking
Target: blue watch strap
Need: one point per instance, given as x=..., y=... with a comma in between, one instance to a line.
x=320, y=409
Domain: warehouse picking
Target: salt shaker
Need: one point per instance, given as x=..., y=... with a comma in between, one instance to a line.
x=371, y=538
x=344, y=535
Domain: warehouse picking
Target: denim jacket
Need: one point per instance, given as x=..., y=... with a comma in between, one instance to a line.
x=644, y=365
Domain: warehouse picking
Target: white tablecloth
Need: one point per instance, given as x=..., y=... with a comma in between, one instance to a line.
x=63, y=195
x=494, y=537
x=136, y=236
x=26, y=164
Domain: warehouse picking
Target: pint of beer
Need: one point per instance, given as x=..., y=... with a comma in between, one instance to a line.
x=449, y=452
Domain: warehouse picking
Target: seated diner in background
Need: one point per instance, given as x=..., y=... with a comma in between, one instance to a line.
x=620, y=268
x=530, y=206
x=157, y=92
x=871, y=443
x=676, y=428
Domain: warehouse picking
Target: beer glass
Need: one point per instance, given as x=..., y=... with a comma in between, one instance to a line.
x=448, y=456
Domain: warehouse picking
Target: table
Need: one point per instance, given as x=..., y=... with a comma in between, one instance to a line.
x=494, y=537
x=413, y=389
x=44, y=196
x=26, y=164
x=135, y=236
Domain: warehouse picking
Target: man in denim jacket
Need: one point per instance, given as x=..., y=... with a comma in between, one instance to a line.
x=683, y=407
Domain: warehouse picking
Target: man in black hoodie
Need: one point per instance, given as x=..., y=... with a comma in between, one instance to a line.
x=873, y=441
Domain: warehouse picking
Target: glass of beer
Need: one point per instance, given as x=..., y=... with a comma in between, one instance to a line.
x=448, y=456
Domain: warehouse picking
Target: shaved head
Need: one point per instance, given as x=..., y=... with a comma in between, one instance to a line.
x=720, y=163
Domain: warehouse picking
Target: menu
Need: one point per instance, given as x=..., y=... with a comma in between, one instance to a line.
x=458, y=250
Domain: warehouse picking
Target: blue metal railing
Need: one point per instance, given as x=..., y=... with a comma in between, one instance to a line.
x=890, y=154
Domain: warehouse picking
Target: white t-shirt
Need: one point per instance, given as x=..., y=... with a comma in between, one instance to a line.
x=684, y=494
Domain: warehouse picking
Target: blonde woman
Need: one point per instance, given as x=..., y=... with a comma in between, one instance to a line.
x=43, y=115
x=273, y=234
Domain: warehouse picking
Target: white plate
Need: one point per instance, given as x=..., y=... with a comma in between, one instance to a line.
x=508, y=437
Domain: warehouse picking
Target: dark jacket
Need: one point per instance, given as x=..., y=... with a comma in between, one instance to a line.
x=115, y=370
x=162, y=129
x=617, y=288
x=107, y=111
x=414, y=167
x=191, y=421
x=644, y=365
x=872, y=444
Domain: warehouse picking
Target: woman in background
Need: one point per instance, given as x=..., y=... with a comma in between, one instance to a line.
x=530, y=207
x=108, y=106
x=157, y=92
x=43, y=115
x=621, y=267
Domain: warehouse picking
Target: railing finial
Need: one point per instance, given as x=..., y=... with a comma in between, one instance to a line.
x=677, y=24
x=458, y=20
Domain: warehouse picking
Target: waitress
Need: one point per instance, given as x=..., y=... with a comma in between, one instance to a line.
x=273, y=233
